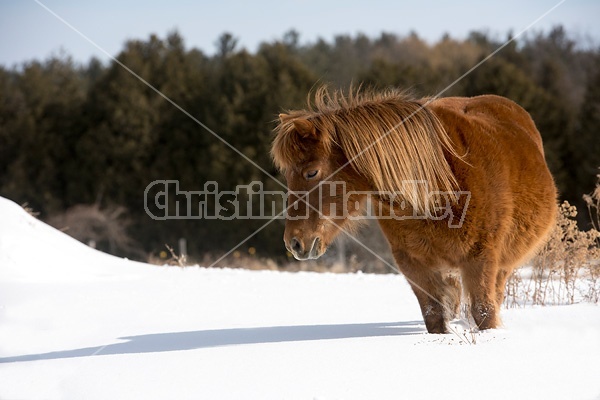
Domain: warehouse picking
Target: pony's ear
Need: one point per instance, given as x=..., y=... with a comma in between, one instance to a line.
x=305, y=128
x=284, y=117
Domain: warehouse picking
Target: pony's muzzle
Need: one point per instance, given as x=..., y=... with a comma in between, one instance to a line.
x=302, y=252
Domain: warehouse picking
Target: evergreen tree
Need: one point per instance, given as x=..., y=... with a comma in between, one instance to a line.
x=96, y=135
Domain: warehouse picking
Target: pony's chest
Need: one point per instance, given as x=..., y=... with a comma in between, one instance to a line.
x=422, y=241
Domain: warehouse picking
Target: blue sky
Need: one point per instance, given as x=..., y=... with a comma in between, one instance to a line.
x=28, y=31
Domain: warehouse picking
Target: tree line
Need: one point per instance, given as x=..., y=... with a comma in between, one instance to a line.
x=93, y=134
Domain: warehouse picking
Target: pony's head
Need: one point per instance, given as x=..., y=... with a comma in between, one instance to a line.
x=318, y=179
x=363, y=142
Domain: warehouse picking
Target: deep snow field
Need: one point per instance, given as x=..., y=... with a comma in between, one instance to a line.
x=79, y=324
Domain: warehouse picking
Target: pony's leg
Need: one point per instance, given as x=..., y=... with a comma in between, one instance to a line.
x=479, y=280
x=452, y=295
x=429, y=288
x=501, y=279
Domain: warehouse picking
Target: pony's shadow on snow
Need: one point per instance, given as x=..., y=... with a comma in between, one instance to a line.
x=179, y=341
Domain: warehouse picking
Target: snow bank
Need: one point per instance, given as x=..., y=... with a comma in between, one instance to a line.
x=35, y=251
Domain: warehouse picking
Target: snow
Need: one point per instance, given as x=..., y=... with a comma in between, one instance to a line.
x=76, y=323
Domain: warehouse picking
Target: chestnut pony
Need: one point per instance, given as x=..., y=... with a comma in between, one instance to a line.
x=480, y=160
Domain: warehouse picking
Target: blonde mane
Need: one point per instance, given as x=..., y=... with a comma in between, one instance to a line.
x=388, y=138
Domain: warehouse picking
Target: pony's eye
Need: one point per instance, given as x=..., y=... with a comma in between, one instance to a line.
x=311, y=174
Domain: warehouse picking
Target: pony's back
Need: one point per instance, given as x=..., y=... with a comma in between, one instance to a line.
x=490, y=111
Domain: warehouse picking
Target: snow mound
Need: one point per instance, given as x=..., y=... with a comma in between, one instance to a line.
x=35, y=251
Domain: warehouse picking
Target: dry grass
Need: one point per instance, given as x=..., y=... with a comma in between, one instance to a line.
x=29, y=210
x=101, y=228
x=567, y=268
x=592, y=201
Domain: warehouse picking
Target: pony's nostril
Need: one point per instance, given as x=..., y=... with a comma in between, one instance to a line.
x=295, y=245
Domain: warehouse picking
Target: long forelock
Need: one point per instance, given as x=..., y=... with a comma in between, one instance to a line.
x=289, y=149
